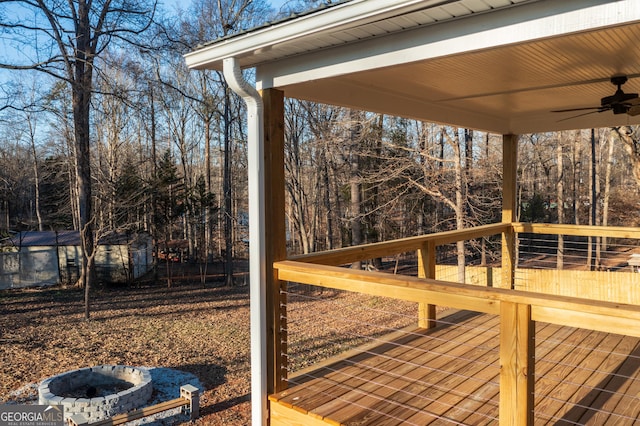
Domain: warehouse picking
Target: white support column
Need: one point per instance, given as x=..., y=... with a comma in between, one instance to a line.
x=257, y=245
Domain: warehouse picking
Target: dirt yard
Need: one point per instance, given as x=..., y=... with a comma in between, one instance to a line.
x=204, y=332
x=200, y=331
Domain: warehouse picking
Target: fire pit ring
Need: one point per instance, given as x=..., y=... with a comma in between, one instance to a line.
x=97, y=392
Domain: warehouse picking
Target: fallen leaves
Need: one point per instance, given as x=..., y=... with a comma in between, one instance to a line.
x=201, y=331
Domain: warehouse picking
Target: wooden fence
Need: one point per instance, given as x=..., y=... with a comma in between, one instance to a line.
x=611, y=286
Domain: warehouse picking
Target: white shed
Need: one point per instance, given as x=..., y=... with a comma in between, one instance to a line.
x=41, y=258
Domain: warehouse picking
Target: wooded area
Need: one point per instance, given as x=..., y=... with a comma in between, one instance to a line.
x=165, y=148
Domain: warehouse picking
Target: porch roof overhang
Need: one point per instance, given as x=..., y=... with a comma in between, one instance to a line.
x=495, y=65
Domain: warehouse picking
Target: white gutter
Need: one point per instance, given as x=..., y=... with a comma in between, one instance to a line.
x=346, y=15
x=257, y=244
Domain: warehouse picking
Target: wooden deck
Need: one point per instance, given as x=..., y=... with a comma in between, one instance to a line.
x=450, y=375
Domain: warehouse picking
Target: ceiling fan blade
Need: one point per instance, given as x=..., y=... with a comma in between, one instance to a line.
x=580, y=115
x=634, y=110
x=600, y=109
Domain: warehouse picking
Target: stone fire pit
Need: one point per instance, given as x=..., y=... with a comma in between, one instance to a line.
x=97, y=392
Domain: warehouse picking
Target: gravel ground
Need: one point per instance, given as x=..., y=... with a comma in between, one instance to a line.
x=185, y=333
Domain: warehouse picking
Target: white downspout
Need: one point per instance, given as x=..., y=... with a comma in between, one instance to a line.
x=257, y=245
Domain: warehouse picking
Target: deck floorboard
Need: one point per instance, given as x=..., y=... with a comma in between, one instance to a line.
x=450, y=375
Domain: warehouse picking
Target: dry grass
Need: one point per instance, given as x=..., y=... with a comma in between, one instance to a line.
x=201, y=331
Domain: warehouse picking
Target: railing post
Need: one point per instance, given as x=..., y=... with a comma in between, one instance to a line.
x=427, y=269
x=273, y=101
x=509, y=180
x=517, y=351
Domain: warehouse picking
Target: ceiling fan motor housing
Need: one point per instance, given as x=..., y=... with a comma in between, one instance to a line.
x=617, y=101
x=619, y=108
x=619, y=80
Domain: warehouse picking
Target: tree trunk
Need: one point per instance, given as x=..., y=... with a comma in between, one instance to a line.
x=626, y=135
x=459, y=209
x=154, y=177
x=327, y=202
x=439, y=205
x=591, y=261
x=81, y=98
x=468, y=152
x=207, y=213
x=81, y=119
x=7, y=217
x=607, y=188
x=228, y=200
x=36, y=173
x=208, y=217
x=354, y=183
x=577, y=176
x=560, y=196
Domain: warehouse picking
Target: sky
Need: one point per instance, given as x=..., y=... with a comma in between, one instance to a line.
x=169, y=5
x=277, y=3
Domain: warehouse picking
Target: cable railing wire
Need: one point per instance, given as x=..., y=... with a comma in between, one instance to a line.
x=603, y=351
x=372, y=333
x=542, y=253
x=585, y=408
x=417, y=381
x=371, y=409
x=406, y=346
x=344, y=304
x=384, y=329
x=402, y=391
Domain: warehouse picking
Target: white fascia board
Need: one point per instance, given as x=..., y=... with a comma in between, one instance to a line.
x=528, y=22
x=347, y=15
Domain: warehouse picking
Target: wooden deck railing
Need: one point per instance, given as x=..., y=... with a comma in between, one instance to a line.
x=518, y=310
x=391, y=248
x=576, y=230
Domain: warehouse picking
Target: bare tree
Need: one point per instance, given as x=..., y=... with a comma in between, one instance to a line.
x=592, y=255
x=30, y=110
x=64, y=40
x=560, y=194
x=299, y=175
x=606, y=196
x=355, y=139
x=215, y=19
x=631, y=141
x=577, y=152
x=324, y=125
x=15, y=180
x=442, y=178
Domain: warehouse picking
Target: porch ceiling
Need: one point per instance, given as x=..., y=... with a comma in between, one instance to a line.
x=495, y=65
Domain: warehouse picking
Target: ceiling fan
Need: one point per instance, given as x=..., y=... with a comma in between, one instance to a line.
x=619, y=102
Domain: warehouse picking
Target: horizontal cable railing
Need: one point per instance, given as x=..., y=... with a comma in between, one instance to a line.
x=599, y=371
x=590, y=262
x=374, y=338
x=537, y=251
x=322, y=323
